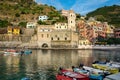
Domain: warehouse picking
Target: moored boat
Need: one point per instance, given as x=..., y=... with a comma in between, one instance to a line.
x=91, y=72
x=109, y=63
x=16, y=52
x=27, y=51
x=113, y=77
x=105, y=67
x=70, y=75
x=10, y=52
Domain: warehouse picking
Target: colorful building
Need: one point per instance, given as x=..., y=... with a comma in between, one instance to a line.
x=110, y=31
x=16, y=30
x=91, y=29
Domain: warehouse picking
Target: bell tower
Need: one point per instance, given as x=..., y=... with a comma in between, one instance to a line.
x=71, y=20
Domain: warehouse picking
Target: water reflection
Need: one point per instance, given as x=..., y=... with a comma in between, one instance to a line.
x=43, y=64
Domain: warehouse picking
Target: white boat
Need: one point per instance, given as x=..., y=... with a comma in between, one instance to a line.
x=11, y=52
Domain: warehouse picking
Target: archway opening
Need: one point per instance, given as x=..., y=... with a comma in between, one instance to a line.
x=45, y=45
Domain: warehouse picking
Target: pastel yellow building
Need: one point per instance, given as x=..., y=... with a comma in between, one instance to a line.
x=16, y=31
x=110, y=31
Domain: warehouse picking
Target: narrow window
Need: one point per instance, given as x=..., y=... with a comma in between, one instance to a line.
x=65, y=38
x=47, y=35
x=42, y=35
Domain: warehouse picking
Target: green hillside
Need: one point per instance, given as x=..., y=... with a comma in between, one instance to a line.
x=18, y=12
x=111, y=14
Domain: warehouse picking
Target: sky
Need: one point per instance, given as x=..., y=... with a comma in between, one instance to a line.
x=79, y=6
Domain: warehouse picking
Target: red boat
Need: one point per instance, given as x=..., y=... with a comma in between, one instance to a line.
x=70, y=75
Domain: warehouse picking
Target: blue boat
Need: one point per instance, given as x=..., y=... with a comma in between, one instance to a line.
x=26, y=52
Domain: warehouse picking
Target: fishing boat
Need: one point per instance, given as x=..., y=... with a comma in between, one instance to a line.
x=113, y=77
x=106, y=67
x=70, y=75
x=91, y=72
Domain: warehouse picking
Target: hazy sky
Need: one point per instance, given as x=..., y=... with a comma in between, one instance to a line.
x=79, y=6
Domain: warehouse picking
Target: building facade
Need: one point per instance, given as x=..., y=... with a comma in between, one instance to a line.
x=43, y=18
x=110, y=31
x=117, y=33
x=44, y=35
x=61, y=26
x=60, y=34
x=31, y=25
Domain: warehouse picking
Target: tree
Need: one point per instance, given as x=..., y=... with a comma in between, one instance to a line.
x=100, y=18
x=41, y=22
x=4, y=23
x=22, y=24
x=17, y=15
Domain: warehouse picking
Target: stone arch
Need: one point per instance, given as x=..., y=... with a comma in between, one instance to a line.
x=44, y=45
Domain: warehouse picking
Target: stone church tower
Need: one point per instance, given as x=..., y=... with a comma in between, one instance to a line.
x=71, y=20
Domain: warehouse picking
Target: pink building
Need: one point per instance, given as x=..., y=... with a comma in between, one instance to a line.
x=91, y=30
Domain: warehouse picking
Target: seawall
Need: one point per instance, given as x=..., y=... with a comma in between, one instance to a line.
x=18, y=44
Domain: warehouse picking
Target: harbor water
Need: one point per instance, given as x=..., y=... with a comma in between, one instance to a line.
x=44, y=64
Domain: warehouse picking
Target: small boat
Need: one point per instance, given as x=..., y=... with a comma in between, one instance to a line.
x=110, y=63
x=113, y=77
x=10, y=52
x=70, y=75
x=96, y=71
x=91, y=72
x=26, y=52
x=106, y=67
